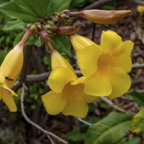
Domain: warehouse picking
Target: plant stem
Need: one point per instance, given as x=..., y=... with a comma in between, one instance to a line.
x=34, y=124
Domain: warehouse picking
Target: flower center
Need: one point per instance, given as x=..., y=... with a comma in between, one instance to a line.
x=73, y=91
x=105, y=62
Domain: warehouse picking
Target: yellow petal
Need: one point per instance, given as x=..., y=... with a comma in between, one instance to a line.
x=12, y=65
x=76, y=107
x=59, y=78
x=120, y=82
x=79, y=80
x=79, y=42
x=123, y=56
x=54, y=103
x=110, y=40
x=9, y=101
x=8, y=90
x=87, y=59
x=98, y=84
x=89, y=98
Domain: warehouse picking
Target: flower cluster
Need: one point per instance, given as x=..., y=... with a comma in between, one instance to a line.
x=104, y=67
x=105, y=70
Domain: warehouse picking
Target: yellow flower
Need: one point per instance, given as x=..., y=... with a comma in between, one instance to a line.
x=9, y=71
x=105, y=67
x=67, y=94
x=140, y=10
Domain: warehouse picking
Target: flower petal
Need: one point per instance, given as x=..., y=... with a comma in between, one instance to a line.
x=87, y=59
x=89, y=98
x=110, y=40
x=54, y=103
x=120, y=82
x=98, y=84
x=76, y=107
x=79, y=80
x=9, y=101
x=59, y=77
x=123, y=56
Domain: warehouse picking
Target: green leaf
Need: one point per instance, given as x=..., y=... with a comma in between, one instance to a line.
x=134, y=140
x=57, y=6
x=138, y=122
x=62, y=44
x=14, y=25
x=109, y=130
x=14, y=11
x=138, y=97
x=75, y=135
x=38, y=7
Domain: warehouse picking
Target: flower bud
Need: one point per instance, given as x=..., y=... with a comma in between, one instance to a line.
x=104, y=16
x=68, y=30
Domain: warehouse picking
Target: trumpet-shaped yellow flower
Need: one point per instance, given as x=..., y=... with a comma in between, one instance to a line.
x=9, y=71
x=140, y=10
x=105, y=67
x=67, y=94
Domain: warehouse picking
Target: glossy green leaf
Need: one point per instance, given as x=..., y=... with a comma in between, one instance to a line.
x=109, y=130
x=62, y=44
x=38, y=7
x=134, y=140
x=57, y=6
x=138, y=122
x=14, y=25
x=138, y=97
x=14, y=11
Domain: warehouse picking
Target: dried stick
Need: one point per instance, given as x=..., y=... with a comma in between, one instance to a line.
x=136, y=66
x=34, y=124
x=104, y=99
x=84, y=122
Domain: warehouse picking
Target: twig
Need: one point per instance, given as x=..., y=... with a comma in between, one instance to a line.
x=97, y=4
x=44, y=76
x=34, y=124
x=104, y=99
x=85, y=122
x=52, y=142
x=136, y=66
x=140, y=2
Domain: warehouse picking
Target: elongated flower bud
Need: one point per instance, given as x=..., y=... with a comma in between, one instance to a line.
x=69, y=30
x=10, y=69
x=101, y=16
